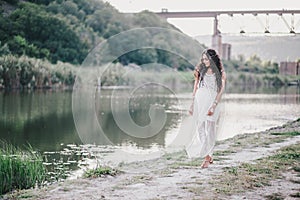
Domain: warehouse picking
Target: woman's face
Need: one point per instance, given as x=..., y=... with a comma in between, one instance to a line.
x=205, y=60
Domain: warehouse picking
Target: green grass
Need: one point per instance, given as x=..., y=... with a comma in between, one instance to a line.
x=296, y=195
x=224, y=152
x=296, y=169
x=192, y=163
x=100, y=171
x=275, y=196
x=19, y=169
x=248, y=176
x=293, y=133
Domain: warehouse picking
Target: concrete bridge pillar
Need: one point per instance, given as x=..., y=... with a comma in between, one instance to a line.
x=216, y=38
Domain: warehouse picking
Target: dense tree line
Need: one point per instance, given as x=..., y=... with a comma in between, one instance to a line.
x=32, y=31
x=253, y=64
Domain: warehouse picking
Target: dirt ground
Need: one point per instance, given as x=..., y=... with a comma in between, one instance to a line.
x=175, y=176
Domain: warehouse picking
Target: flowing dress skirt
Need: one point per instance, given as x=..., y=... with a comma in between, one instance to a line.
x=204, y=126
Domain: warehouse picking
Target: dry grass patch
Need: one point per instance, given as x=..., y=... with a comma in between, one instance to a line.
x=249, y=176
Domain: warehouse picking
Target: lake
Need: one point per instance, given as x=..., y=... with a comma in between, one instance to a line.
x=44, y=119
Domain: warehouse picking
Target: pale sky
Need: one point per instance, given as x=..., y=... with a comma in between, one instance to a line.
x=202, y=26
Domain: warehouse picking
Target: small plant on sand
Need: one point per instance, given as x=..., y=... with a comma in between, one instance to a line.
x=100, y=171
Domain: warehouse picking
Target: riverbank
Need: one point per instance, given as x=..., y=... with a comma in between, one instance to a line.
x=262, y=165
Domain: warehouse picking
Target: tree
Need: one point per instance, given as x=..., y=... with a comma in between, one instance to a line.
x=4, y=49
x=241, y=58
x=47, y=33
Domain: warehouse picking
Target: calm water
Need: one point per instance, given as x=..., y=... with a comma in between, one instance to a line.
x=45, y=120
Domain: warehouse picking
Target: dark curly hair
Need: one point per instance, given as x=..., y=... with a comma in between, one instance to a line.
x=215, y=65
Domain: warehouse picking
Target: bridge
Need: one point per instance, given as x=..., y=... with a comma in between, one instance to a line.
x=224, y=50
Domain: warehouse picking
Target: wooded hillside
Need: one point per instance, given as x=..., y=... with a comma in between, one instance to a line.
x=66, y=30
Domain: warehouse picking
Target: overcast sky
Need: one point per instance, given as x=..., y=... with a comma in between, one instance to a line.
x=193, y=26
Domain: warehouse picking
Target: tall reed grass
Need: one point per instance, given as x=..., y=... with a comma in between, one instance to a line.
x=20, y=169
x=25, y=72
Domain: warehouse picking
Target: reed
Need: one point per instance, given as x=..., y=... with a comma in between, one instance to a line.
x=27, y=73
x=20, y=169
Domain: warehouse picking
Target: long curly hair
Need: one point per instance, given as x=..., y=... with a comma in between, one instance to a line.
x=215, y=65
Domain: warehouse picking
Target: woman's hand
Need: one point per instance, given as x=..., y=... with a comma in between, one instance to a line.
x=211, y=110
x=191, y=110
x=197, y=73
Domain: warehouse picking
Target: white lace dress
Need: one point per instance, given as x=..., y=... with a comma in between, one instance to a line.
x=204, y=130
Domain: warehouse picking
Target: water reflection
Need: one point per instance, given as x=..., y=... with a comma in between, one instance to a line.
x=45, y=120
x=42, y=119
x=138, y=107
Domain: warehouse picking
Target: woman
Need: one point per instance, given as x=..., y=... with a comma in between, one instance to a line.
x=209, y=85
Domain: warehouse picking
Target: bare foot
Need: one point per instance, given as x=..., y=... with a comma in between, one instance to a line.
x=208, y=160
x=205, y=164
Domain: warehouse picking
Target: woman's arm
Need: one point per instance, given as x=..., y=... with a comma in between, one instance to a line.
x=219, y=95
x=195, y=87
x=197, y=76
x=191, y=111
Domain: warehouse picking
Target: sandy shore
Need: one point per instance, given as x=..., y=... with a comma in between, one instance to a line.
x=262, y=165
